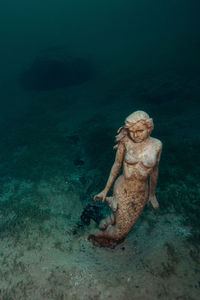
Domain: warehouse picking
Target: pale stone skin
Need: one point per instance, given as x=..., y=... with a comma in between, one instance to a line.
x=140, y=155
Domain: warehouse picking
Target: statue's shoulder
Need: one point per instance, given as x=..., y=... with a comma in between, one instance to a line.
x=156, y=143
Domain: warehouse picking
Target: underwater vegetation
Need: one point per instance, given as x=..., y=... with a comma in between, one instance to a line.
x=91, y=212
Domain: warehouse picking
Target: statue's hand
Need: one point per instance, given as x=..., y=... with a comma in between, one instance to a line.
x=154, y=202
x=101, y=196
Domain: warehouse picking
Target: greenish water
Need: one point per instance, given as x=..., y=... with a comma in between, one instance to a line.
x=56, y=140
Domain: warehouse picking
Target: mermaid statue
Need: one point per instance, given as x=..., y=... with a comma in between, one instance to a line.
x=140, y=155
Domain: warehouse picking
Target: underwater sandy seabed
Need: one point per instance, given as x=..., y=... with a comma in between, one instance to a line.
x=59, y=155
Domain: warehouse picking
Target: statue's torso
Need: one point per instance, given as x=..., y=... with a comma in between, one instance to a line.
x=139, y=160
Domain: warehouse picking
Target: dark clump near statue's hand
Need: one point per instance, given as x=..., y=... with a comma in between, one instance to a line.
x=91, y=212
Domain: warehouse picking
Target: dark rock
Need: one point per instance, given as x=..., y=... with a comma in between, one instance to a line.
x=50, y=74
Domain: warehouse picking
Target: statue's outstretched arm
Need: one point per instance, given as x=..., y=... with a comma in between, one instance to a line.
x=113, y=173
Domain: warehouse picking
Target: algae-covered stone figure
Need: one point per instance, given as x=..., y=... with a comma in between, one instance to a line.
x=140, y=155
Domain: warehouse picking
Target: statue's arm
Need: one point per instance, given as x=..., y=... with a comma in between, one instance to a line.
x=116, y=167
x=153, y=181
x=113, y=173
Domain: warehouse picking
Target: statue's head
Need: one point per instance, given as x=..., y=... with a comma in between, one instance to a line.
x=139, y=126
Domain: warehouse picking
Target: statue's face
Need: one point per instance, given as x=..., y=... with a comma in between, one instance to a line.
x=138, y=132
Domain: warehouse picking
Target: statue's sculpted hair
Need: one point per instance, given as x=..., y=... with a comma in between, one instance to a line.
x=138, y=116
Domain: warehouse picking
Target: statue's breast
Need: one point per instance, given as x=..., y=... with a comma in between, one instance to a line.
x=148, y=158
x=131, y=157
